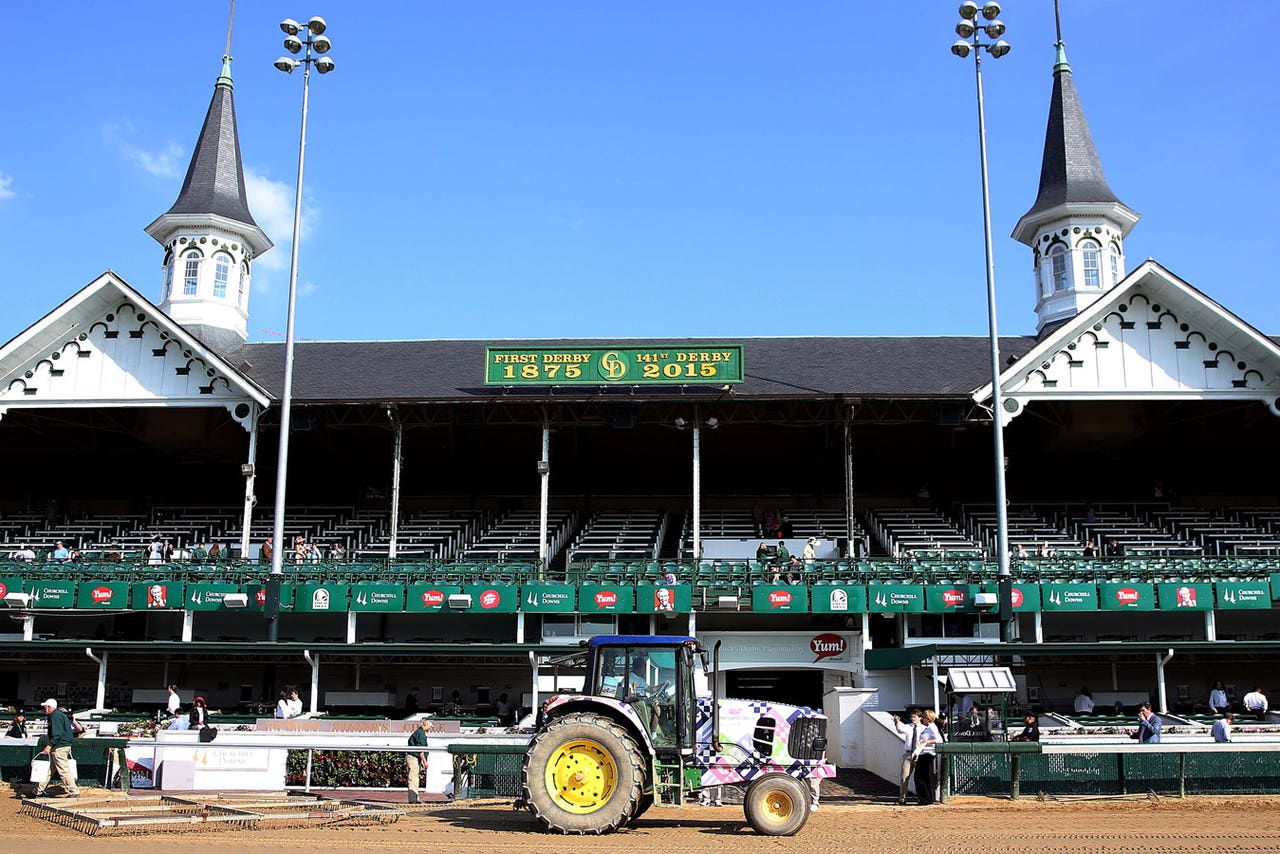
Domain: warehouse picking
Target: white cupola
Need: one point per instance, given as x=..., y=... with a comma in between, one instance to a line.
x=209, y=237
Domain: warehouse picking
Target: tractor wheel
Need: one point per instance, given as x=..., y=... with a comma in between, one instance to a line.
x=777, y=805
x=583, y=774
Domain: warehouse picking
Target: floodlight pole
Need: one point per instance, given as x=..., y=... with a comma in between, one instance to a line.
x=272, y=609
x=1005, y=577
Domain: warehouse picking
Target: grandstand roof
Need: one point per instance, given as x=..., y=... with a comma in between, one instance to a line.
x=364, y=371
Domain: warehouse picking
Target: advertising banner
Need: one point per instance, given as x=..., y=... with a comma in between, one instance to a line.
x=208, y=595
x=549, y=598
x=895, y=598
x=1127, y=595
x=779, y=598
x=838, y=599
x=1069, y=597
x=52, y=594
x=665, y=365
x=493, y=598
x=375, y=596
x=1243, y=595
x=320, y=598
x=429, y=598
x=1185, y=596
x=664, y=599
x=102, y=594
x=606, y=598
x=157, y=595
x=950, y=598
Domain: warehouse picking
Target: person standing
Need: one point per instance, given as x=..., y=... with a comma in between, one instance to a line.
x=911, y=737
x=1030, y=729
x=417, y=762
x=926, y=762
x=1149, y=726
x=264, y=556
x=175, y=702
x=1218, y=702
x=61, y=735
x=295, y=703
x=1084, y=701
x=1221, y=731
x=1255, y=702
x=411, y=705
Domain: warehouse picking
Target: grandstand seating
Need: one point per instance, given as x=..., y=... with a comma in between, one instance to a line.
x=921, y=533
x=825, y=523
x=619, y=535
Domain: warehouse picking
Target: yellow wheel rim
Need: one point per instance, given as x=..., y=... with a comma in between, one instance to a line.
x=778, y=807
x=581, y=776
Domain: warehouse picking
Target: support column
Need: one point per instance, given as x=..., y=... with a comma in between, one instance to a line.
x=912, y=672
x=250, y=471
x=936, y=707
x=1039, y=627
x=28, y=627
x=351, y=627
x=851, y=519
x=693, y=624
x=697, y=496
x=1210, y=625
x=188, y=622
x=396, y=457
x=101, y=701
x=519, y=626
x=544, y=499
x=314, y=661
x=1163, y=694
x=533, y=690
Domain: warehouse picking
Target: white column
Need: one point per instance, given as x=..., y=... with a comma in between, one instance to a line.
x=28, y=627
x=1163, y=692
x=396, y=458
x=1039, y=627
x=533, y=691
x=1210, y=625
x=693, y=624
x=101, y=701
x=544, y=498
x=188, y=620
x=866, y=630
x=937, y=708
x=314, y=661
x=519, y=626
x=912, y=672
x=850, y=519
x=697, y=496
x=250, y=475
x=351, y=627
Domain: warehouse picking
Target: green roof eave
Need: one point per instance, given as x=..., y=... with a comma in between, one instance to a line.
x=898, y=658
x=213, y=649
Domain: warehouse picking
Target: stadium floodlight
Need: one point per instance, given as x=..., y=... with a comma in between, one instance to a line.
x=971, y=42
x=311, y=44
x=17, y=600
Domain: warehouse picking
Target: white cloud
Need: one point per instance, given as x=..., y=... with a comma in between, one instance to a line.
x=166, y=162
x=306, y=289
x=271, y=203
x=6, y=187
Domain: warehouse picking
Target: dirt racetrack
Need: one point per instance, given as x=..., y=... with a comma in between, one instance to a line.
x=970, y=825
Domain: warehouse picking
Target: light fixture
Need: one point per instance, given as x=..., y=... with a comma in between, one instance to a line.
x=290, y=26
x=317, y=25
x=713, y=423
x=991, y=10
x=960, y=48
x=247, y=469
x=994, y=30
x=17, y=600
x=235, y=600
x=286, y=64
x=999, y=49
x=681, y=423
x=968, y=11
x=324, y=65
x=293, y=45
x=965, y=29
x=727, y=603
x=321, y=44
x=459, y=601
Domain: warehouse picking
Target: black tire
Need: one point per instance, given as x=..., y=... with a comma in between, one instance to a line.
x=642, y=806
x=603, y=738
x=777, y=805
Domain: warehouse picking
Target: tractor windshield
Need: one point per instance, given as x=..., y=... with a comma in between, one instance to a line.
x=645, y=678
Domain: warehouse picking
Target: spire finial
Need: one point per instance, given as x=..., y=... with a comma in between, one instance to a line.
x=1057, y=23
x=232, y=20
x=224, y=79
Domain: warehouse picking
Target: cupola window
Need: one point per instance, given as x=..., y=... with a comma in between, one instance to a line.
x=1115, y=266
x=221, y=272
x=1092, y=255
x=244, y=283
x=191, y=277
x=1058, y=258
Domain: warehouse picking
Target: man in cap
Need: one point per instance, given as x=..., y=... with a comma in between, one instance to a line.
x=61, y=735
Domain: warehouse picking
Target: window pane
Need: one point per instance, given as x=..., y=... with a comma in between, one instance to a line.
x=1115, y=268
x=220, y=273
x=192, y=277
x=1059, y=271
x=1092, y=273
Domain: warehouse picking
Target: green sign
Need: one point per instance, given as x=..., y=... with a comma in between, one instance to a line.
x=606, y=599
x=320, y=598
x=429, y=598
x=1026, y=597
x=377, y=597
x=52, y=594
x=1127, y=595
x=208, y=596
x=549, y=598
x=1275, y=585
x=664, y=599
x=1243, y=595
x=779, y=598
x=895, y=598
x=1069, y=597
x=257, y=594
x=951, y=598
x=103, y=594
x=665, y=365
x=493, y=598
x=1185, y=596
x=10, y=585
x=157, y=595
x=838, y=599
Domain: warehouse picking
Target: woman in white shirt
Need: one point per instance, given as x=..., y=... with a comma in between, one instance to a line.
x=175, y=702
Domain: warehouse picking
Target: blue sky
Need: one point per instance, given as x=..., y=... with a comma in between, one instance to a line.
x=725, y=168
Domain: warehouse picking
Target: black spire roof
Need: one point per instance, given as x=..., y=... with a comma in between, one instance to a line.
x=1070, y=171
x=215, y=178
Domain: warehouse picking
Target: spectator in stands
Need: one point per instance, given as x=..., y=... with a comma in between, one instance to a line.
x=167, y=551
x=199, y=554
x=264, y=556
x=1045, y=551
x=155, y=551
x=1084, y=701
x=668, y=577
x=763, y=555
x=225, y=552
x=786, y=530
x=1030, y=729
x=215, y=552
x=1090, y=549
x=505, y=710
x=17, y=729
x=795, y=570
x=1218, y=702
x=1114, y=549
x=411, y=704
x=282, y=705
x=1255, y=703
x=1221, y=731
x=300, y=550
x=337, y=553
x=784, y=556
x=175, y=702
x=810, y=552
x=115, y=553
x=295, y=703
x=60, y=553
x=24, y=553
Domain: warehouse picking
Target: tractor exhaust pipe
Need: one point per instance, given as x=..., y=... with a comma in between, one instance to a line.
x=715, y=696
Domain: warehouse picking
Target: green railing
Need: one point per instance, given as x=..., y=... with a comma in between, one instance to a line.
x=487, y=770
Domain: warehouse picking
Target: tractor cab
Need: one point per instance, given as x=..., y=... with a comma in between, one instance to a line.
x=654, y=677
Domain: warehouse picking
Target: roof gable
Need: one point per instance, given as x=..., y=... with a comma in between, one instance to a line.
x=109, y=346
x=1153, y=336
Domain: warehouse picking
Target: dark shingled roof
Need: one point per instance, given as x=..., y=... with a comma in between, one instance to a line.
x=1070, y=171
x=405, y=371
x=215, y=178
